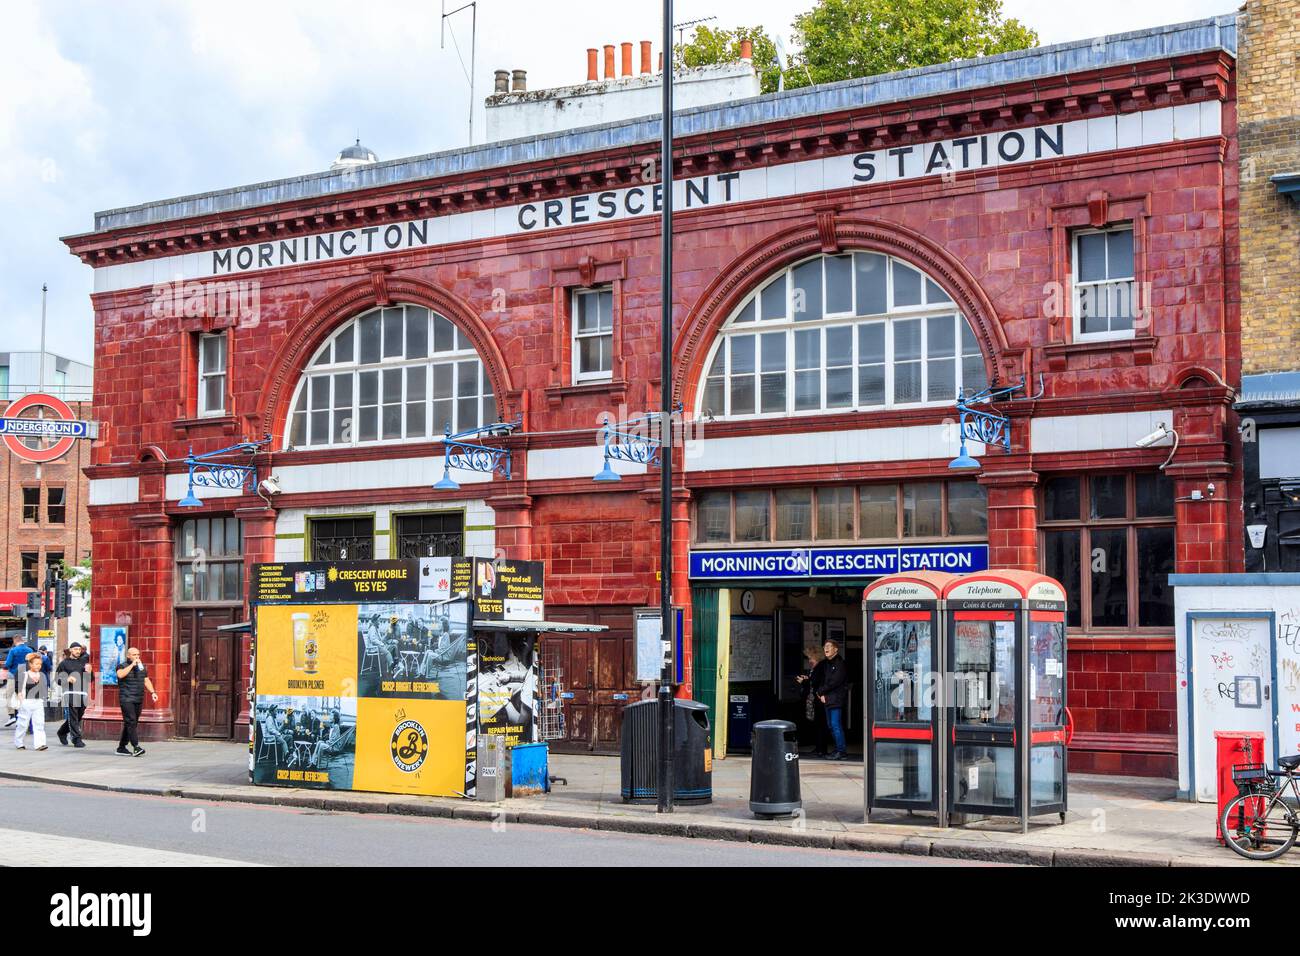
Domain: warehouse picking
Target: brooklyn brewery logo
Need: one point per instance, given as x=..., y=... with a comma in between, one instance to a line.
x=75, y=909
x=409, y=746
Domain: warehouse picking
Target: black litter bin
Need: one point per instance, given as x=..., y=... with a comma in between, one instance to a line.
x=774, y=769
x=692, y=754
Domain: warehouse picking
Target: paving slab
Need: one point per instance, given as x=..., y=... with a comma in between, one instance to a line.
x=1111, y=821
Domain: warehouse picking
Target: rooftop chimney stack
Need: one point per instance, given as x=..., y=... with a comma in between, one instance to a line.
x=593, y=70
x=502, y=82
x=645, y=56
x=746, y=50
x=627, y=59
x=519, y=81
x=609, y=61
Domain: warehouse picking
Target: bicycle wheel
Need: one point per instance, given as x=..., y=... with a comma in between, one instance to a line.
x=1258, y=828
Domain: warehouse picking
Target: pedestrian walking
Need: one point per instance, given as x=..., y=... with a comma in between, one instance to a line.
x=14, y=666
x=33, y=687
x=73, y=680
x=132, y=682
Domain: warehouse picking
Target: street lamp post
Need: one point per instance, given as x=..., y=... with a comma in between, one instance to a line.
x=664, y=777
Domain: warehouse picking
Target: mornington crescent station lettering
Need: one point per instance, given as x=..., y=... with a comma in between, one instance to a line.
x=946, y=157
x=837, y=562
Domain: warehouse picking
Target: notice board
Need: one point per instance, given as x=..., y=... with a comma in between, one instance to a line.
x=751, y=649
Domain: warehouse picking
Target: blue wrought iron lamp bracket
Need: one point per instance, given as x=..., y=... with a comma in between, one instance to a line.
x=463, y=450
x=633, y=447
x=982, y=422
x=209, y=470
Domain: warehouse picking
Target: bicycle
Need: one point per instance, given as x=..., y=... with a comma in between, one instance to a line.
x=1262, y=821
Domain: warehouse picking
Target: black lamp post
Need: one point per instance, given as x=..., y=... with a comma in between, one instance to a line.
x=664, y=777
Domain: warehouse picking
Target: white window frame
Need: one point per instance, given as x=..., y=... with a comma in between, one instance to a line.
x=204, y=374
x=576, y=336
x=756, y=326
x=1109, y=287
x=322, y=366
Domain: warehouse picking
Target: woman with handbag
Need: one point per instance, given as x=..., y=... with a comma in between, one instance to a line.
x=33, y=687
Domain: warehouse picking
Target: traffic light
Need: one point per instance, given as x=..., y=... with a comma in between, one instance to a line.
x=61, y=603
x=34, y=602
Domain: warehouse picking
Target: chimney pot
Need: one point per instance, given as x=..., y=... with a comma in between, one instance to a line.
x=502, y=84
x=645, y=56
x=746, y=50
x=519, y=81
x=609, y=61
x=592, y=70
x=661, y=61
x=627, y=59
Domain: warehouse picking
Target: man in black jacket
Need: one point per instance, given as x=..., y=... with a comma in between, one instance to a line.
x=830, y=681
x=72, y=676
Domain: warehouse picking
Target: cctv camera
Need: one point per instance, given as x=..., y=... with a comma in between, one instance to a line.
x=1160, y=434
x=270, y=485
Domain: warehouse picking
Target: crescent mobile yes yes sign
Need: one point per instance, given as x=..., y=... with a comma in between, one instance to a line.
x=63, y=429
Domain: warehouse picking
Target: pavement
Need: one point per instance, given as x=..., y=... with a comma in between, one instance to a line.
x=1112, y=821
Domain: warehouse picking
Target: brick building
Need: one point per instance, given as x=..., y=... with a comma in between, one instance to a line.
x=1269, y=143
x=44, y=519
x=849, y=256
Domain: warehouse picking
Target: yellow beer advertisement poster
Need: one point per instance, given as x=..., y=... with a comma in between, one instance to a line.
x=378, y=696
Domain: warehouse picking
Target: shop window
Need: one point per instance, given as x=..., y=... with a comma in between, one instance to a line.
x=393, y=374
x=1104, y=284
x=29, y=562
x=1109, y=539
x=968, y=509
x=713, y=517
x=854, y=331
x=31, y=505
x=794, y=514
x=752, y=516
x=593, y=334
x=441, y=534
x=878, y=505
x=886, y=512
x=342, y=539
x=212, y=375
x=922, y=509
x=55, y=504
x=835, y=514
x=209, y=555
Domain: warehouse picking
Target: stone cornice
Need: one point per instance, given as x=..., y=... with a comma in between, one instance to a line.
x=1061, y=98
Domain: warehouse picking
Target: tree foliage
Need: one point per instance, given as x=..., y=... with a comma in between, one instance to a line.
x=708, y=46
x=844, y=39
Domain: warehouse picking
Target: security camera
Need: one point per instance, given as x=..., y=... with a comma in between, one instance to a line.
x=1160, y=434
x=269, y=486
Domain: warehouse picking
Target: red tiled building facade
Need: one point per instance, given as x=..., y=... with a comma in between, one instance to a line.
x=847, y=258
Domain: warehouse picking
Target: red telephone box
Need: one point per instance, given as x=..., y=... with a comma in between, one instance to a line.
x=902, y=652
x=1006, y=714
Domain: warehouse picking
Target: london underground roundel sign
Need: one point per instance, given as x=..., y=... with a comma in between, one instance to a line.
x=51, y=437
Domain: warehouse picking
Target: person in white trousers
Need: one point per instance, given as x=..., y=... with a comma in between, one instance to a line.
x=32, y=688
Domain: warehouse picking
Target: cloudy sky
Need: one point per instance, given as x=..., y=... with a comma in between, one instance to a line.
x=113, y=104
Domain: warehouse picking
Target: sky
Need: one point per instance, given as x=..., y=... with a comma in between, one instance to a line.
x=114, y=104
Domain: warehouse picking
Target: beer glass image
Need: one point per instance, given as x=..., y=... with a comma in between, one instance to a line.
x=305, y=647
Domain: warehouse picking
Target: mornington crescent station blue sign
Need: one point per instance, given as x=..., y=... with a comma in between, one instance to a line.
x=837, y=562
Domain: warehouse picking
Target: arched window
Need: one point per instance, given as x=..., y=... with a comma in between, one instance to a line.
x=400, y=373
x=836, y=332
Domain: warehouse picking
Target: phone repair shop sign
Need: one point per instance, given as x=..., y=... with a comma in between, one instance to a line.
x=794, y=563
x=49, y=435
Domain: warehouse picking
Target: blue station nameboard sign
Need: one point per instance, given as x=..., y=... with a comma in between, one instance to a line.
x=837, y=562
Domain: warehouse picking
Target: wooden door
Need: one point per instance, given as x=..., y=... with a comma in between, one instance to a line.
x=597, y=670
x=206, y=673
